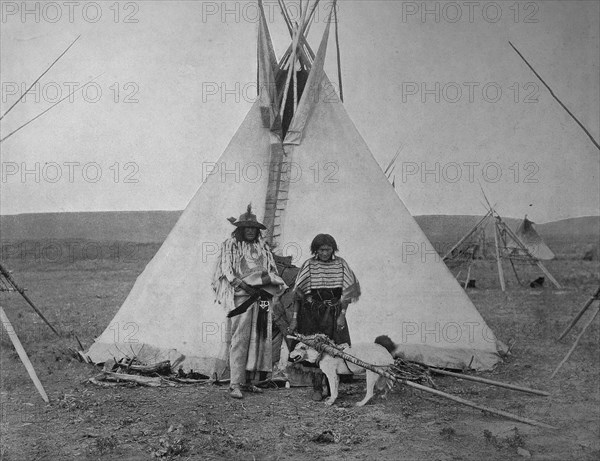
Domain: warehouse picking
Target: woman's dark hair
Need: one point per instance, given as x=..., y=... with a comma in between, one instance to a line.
x=323, y=239
x=239, y=235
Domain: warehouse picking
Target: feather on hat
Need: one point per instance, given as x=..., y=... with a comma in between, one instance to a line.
x=247, y=219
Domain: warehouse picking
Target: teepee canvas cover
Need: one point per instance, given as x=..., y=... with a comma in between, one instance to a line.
x=532, y=240
x=322, y=179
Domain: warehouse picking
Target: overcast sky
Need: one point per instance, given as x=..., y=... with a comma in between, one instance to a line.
x=435, y=81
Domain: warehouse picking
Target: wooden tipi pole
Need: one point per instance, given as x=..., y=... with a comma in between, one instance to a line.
x=337, y=47
x=38, y=79
x=585, y=130
x=468, y=274
x=471, y=232
x=22, y=354
x=579, y=336
x=477, y=379
x=4, y=271
x=595, y=297
x=48, y=109
x=499, y=258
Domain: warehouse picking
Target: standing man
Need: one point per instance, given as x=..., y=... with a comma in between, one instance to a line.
x=246, y=284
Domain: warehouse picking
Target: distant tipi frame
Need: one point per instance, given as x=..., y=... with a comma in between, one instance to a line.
x=508, y=245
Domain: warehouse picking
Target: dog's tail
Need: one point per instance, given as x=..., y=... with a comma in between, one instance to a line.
x=386, y=342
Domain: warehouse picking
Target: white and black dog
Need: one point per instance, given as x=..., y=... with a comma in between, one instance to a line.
x=377, y=354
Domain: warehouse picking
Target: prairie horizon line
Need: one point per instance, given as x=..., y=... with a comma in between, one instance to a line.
x=182, y=210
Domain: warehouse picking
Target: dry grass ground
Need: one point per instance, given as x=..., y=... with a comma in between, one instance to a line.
x=82, y=294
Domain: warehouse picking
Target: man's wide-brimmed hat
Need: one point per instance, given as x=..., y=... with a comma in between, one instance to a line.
x=248, y=219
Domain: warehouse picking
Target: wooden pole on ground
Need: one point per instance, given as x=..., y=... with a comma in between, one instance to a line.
x=575, y=343
x=595, y=297
x=334, y=351
x=489, y=381
x=468, y=403
x=22, y=354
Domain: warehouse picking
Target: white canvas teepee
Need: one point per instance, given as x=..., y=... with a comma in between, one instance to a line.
x=532, y=240
x=333, y=185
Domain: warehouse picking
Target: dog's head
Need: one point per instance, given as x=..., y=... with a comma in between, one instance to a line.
x=304, y=353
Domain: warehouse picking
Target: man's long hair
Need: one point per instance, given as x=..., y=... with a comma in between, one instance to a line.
x=239, y=235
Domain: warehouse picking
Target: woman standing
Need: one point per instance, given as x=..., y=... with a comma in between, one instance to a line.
x=324, y=288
